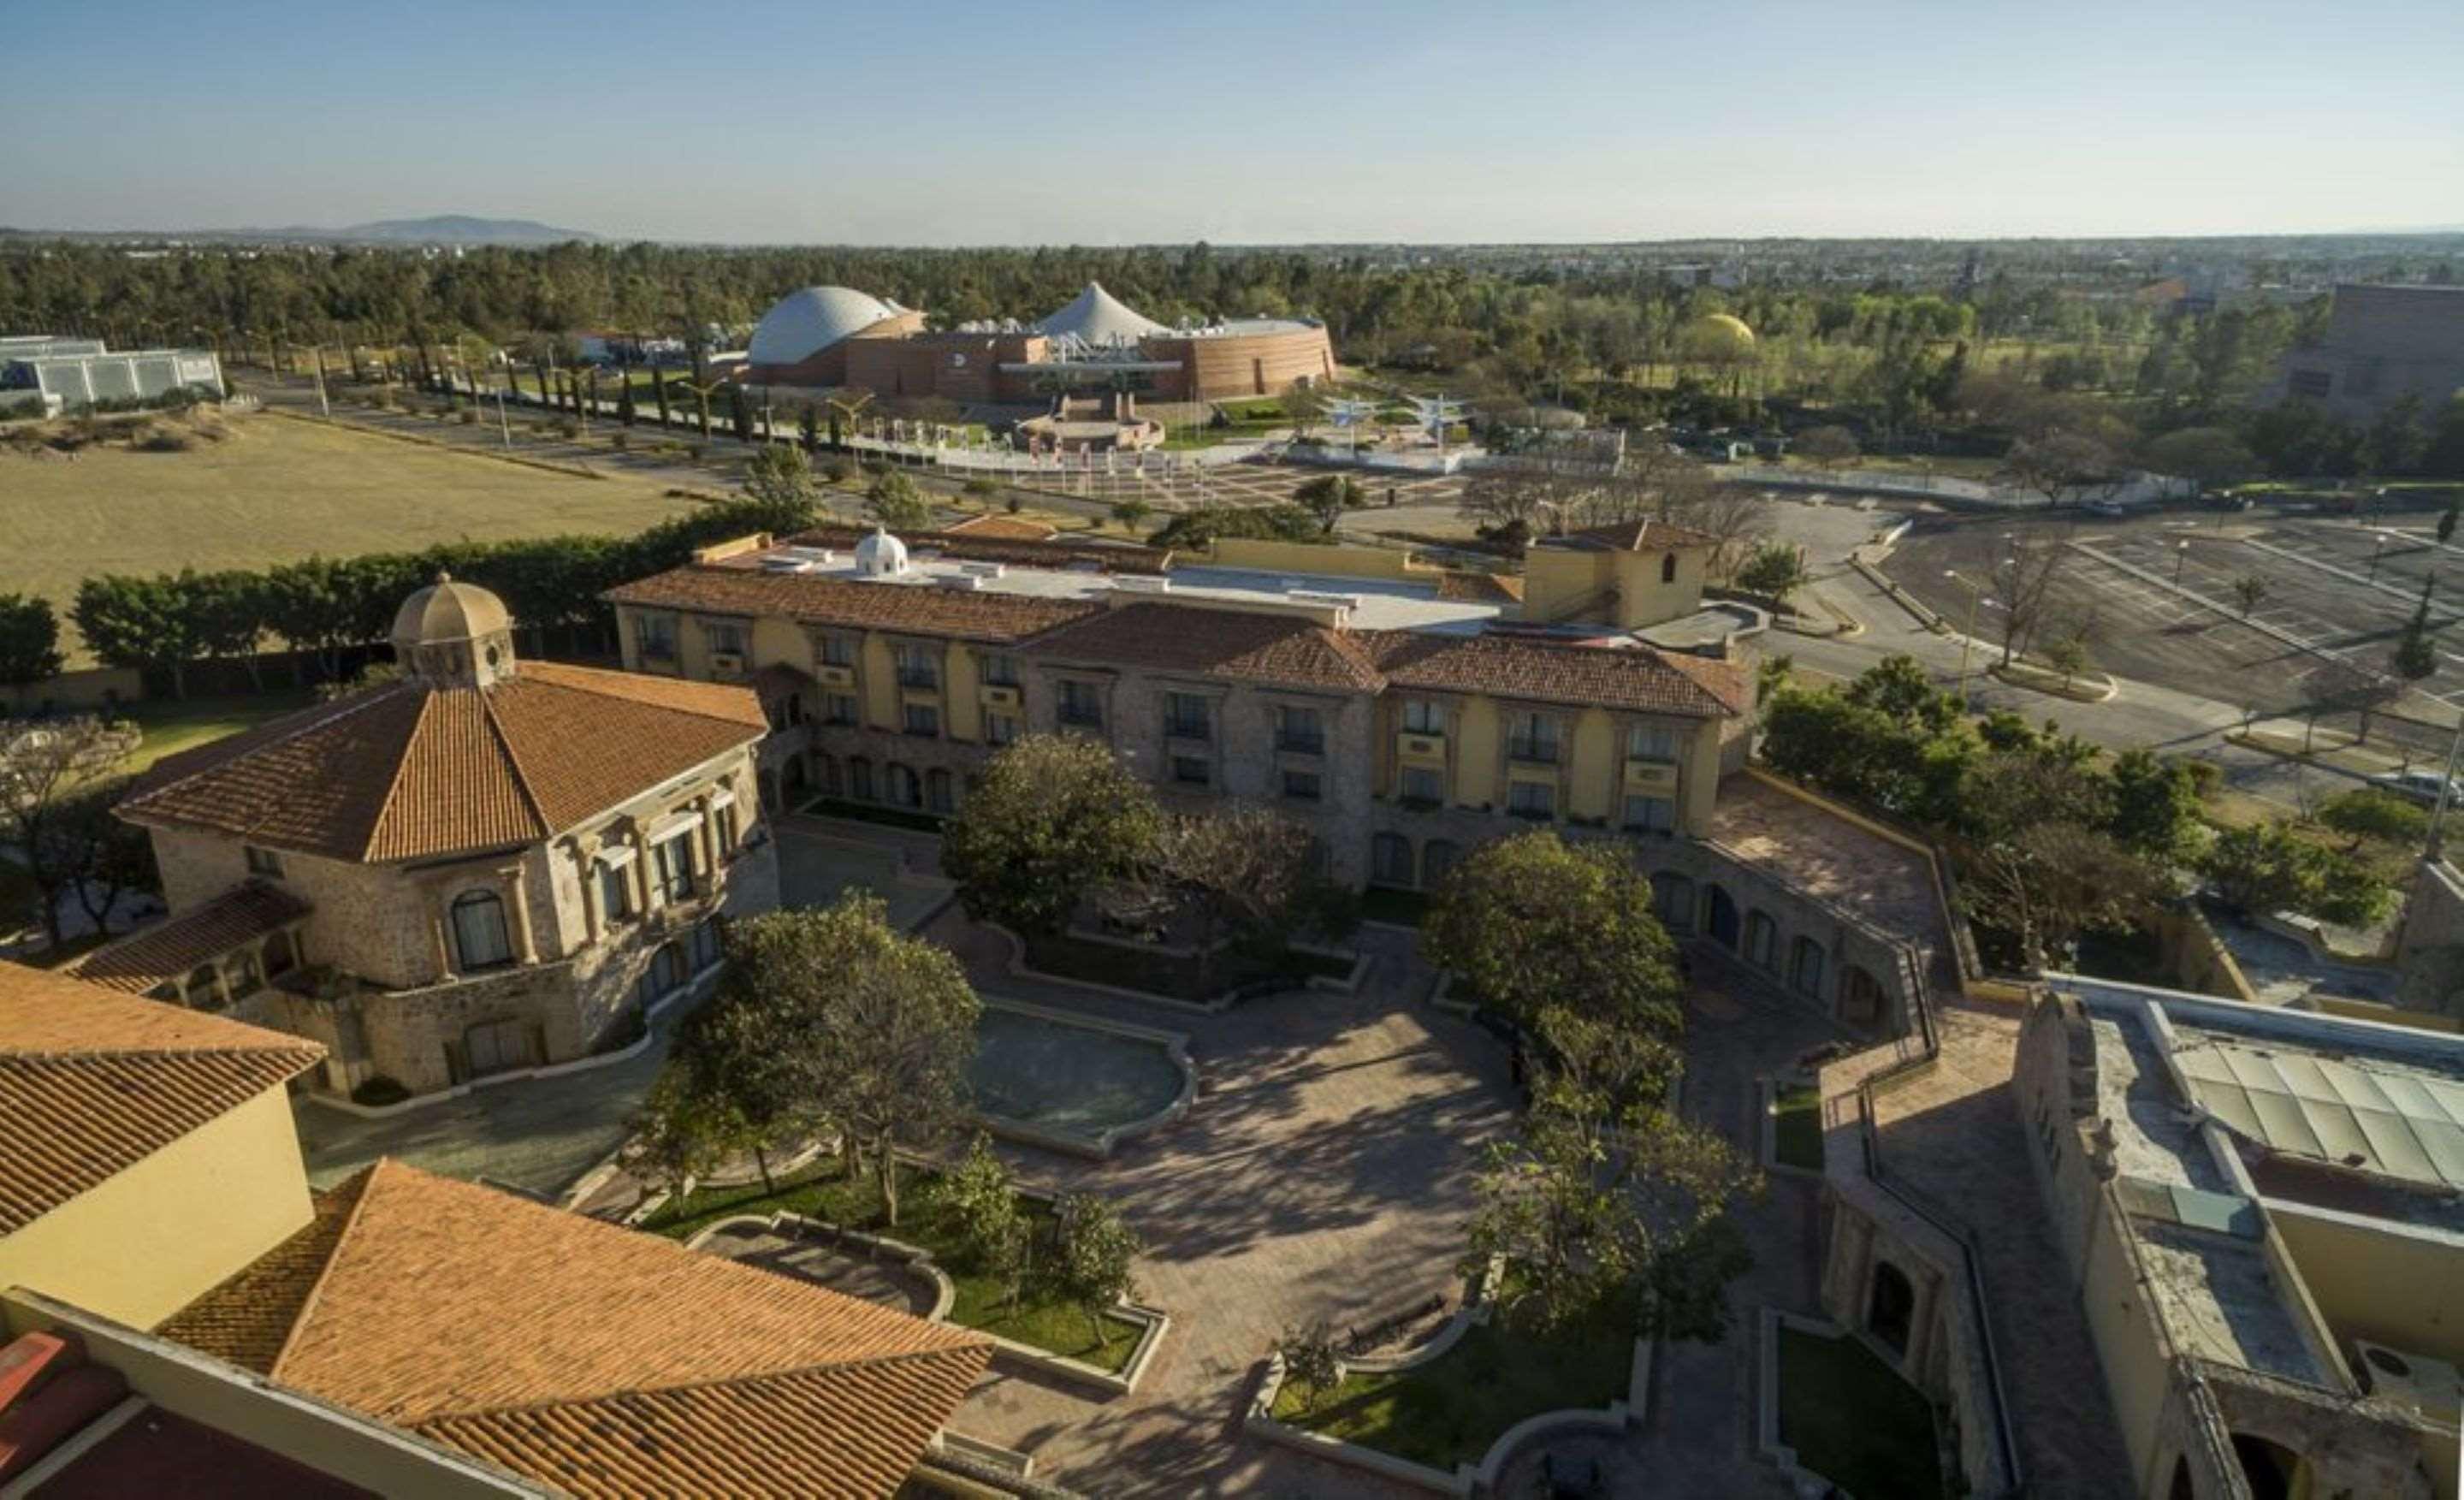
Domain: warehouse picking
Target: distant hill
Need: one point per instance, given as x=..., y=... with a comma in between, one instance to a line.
x=459, y=229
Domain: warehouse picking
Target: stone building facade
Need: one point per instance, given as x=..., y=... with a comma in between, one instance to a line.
x=488, y=867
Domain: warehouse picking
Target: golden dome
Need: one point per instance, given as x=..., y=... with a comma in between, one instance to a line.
x=1716, y=335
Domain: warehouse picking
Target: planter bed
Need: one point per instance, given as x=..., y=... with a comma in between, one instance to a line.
x=1173, y=977
x=1797, y=1125
x=1853, y=1419
x=821, y=1192
x=869, y=812
x=1451, y=1410
x=1393, y=906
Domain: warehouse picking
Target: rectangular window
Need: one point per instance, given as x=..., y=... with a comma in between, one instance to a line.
x=723, y=822
x=1082, y=704
x=1422, y=784
x=1534, y=738
x=999, y=729
x=1191, y=770
x=923, y=720
x=725, y=635
x=917, y=667
x=1301, y=785
x=999, y=671
x=1299, y=731
x=838, y=708
x=654, y=636
x=1651, y=742
x=838, y=650
x=675, y=858
x=263, y=862
x=1530, y=799
x=1421, y=717
x=1650, y=814
x=1184, y=715
x=615, y=892
x=787, y=712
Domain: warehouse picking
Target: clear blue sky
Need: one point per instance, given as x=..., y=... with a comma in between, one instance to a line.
x=937, y=122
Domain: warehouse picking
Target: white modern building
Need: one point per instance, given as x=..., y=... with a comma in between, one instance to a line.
x=66, y=374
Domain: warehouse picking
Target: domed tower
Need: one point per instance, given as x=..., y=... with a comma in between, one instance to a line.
x=880, y=554
x=454, y=636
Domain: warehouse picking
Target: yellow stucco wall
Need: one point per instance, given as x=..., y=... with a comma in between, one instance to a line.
x=1475, y=723
x=161, y=1233
x=2127, y=1345
x=2378, y=1284
x=877, y=674
x=962, y=709
x=1302, y=557
x=1598, y=766
x=1565, y=584
x=778, y=641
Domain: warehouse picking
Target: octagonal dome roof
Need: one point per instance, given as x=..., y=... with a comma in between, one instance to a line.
x=802, y=324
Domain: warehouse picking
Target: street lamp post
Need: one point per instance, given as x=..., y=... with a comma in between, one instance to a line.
x=2378, y=549
x=2181, y=555
x=1966, y=636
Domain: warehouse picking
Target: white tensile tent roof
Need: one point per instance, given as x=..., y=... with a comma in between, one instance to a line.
x=1101, y=319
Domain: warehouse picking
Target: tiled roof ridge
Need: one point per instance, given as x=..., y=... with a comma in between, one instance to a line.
x=365, y=1182
x=366, y=852
x=296, y=723
x=513, y=762
x=313, y=1052
x=743, y=1377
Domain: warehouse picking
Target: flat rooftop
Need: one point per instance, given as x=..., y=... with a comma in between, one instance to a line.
x=1376, y=603
x=1876, y=879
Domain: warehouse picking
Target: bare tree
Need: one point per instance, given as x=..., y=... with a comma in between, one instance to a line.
x=2051, y=881
x=1832, y=447
x=2341, y=686
x=1733, y=515
x=2060, y=462
x=2025, y=578
x=53, y=773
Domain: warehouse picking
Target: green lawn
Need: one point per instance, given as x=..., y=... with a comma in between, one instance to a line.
x=1164, y=973
x=1449, y=1411
x=820, y=1191
x=173, y=725
x=1853, y=1419
x=1797, y=1136
x=871, y=813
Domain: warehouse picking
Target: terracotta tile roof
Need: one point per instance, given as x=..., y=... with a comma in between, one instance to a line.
x=1059, y=552
x=1632, y=536
x=170, y=948
x=93, y=1081
x=601, y=1361
x=1000, y=619
x=1480, y=588
x=410, y=771
x=1560, y=671
x=1218, y=643
x=1003, y=528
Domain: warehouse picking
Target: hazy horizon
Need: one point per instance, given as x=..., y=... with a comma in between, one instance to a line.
x=954, y=122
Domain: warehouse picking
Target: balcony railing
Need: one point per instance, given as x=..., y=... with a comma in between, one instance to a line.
x=918, y=677
x=1082, y=717
x=1539, y=750
x=1185, y=728
x=1300, y=744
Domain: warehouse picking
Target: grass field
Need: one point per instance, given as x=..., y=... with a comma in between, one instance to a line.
x=279, y=490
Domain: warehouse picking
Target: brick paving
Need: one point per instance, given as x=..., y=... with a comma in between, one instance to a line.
x=1955, y=1132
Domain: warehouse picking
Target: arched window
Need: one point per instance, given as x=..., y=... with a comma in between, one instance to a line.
x=1669, y=568
x=669, y=970
x=1437, y=859
x=1805, y=966
x=1672, y=901
x=1860, y=997
x=480, y=937
x=1762, y=940
x=859, y=779
x=906, y=788
x=204, y=992
x=1720, y=918
x=940, y=791
x=2273, y=1471
x=1390, y=859
x=1892, y=1303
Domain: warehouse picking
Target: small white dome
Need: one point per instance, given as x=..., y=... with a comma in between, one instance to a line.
x=802, y=324
x=880, y=554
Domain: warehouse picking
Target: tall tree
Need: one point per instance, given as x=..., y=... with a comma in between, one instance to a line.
x=30, y=642
x=1531, y=922
x=1055, y=818
x=1094, y=1255
x=50, y=770
x=1249, y=875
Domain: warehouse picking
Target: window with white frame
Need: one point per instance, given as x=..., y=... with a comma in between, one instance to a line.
x=615, y=890
x=999, y=729
x=1651, y=742
x=725, y=635
x=1651, y=814
x=1184, y=715
x=919, y=666
x=1082, y=704
x=1422, y=784
x=920, y=719
x=1423, y=716
x=1531, y=799
x=838, y=650
x=673, y=864
x=654, y=636
x=263, y=862
x=837, y=709
x=1000, y=670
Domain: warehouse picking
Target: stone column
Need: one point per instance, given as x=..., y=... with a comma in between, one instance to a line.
x=517, y=891
x=706, y=841
x=585, y=862
x=639, y=837
x=437, y=935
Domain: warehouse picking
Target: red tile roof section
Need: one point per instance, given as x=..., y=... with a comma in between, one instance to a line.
x=1285, y=649
x=93, y=1081
x=1633, y=677
x=170, y=948
x=919, y=608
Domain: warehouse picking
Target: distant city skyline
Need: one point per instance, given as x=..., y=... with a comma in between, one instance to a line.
x=957, y=123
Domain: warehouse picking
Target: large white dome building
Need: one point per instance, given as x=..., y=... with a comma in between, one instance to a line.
x=803, y=323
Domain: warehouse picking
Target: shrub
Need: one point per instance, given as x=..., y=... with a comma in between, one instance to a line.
x=979, y=486
x=834, y=470
x=379, y=1091
x=468, y=416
